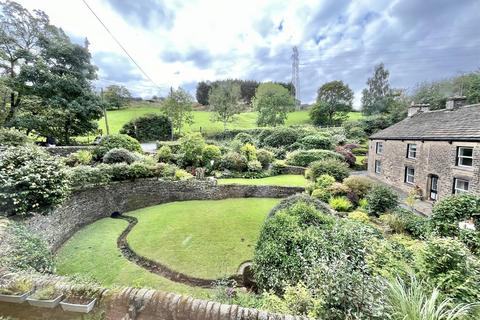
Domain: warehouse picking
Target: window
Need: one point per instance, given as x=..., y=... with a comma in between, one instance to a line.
x=460, y=186
x=411, y=151
x=378, y=166
x=409, y=175
x=379, y=147
x=465, y=156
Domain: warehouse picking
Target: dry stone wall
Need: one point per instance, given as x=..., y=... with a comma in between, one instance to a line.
x=88, y=205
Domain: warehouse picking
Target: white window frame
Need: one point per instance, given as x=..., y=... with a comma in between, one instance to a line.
x=456, y=189
x=379, y=147
x=378, y=166
x=407, y=175
x=410, y=151
x=461, y=157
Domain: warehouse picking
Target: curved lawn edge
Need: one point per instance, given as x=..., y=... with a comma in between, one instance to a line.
x=159, y=268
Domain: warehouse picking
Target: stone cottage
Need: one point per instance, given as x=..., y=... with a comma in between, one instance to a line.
x=437, y=152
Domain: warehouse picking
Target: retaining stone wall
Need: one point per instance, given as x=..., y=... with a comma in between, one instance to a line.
x=88, y=205
x=293, y=170
x=139, y=304
x=67, y=150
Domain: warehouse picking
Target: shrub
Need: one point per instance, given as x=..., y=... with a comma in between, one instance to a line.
x=86, y=175
x=234, y=161
x=278, y=166
x=244, y=138
x=118, y=155
x=31, y=181
x=341, y=204
x=303, y=158
x=265, y=157
x=279, y=153
x=336, y=168
x=13, y=137
x=347, y=155
x=449, y=265
x=359, y=216
x=164, y=154
x=149, y=127
x=81, y=157
x=249, y=151
x=108, y=143
x=254, y=166
x=27, y=252
x=211, y=153
x=448, y=212
x=321, y=194
x=471, y=238
x=360, y=151
x=173, y=145
x=279, y=137
x=324, y=181
x=359, y=185
x=381, y=199
x=338, y=189
x=191, y=148
x=415, y=225
x=393, y=222
x=181, y=174
x=315, y=141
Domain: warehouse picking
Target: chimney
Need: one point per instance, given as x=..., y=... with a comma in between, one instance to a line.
x=456, y=102
x=418, y=108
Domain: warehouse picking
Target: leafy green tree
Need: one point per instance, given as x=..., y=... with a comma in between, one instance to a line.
x=223, y=99
x=378, y=95
x=59, y=101
x=334, y=101
x=203, y=89
x=116, y=96
x=178, y=108
x=273, y=102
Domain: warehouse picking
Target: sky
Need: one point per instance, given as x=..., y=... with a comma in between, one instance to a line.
x=179, y=43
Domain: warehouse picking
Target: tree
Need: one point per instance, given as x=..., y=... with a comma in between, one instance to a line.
x=58, y=98
x=178, y=108
x=273, y=102
x=224, y=99
x=247, y=90
x=116, y=96
x=203, y=89
x=378, y=95
x=334, y=101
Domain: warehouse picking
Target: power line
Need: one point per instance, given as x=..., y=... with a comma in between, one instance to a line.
x=120, y=45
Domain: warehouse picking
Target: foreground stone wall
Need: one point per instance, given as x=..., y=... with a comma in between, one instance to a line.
x=88, y=205
x=139, y=304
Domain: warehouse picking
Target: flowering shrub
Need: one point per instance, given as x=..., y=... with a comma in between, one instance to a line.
x=30, y=181
x=347, y=155
x=12, y=137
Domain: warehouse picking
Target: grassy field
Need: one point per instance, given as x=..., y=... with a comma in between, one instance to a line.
x=93, y=250
x=206, y=239
x=281, y=180
x=202, y=119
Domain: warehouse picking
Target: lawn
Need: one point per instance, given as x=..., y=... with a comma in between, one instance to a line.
x=207, y=239
x=202, y=119
x=93, y=250
x=291, y=180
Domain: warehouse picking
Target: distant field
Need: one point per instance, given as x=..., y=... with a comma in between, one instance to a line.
x=202, y=119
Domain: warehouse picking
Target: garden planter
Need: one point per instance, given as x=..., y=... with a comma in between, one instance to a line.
x=45, y=303
x=14, y=298
x=81, y=305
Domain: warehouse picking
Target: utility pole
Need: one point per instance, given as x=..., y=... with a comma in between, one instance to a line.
x=296, y=76
x=104, y=112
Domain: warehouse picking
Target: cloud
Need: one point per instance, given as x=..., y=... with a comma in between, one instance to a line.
x=116, y=68
x=200, y=57
x=146, y=13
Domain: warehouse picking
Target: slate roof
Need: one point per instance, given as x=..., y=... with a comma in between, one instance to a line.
x=462, y=124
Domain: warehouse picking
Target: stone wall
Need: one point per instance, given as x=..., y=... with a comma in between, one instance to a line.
x=67, y=150
x=433, y=158
x=293, y=170
x=138, y=304
x=88, y=205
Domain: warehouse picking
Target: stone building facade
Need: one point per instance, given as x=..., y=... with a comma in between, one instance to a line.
x=437, y=152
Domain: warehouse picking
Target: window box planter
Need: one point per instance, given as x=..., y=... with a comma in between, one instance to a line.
x=43, y=303
x=15, y=298
x=81, y=305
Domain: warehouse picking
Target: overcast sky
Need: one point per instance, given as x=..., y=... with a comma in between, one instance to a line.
x=179, y=43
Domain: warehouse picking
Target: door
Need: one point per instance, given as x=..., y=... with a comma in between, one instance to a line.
x=433, y=194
